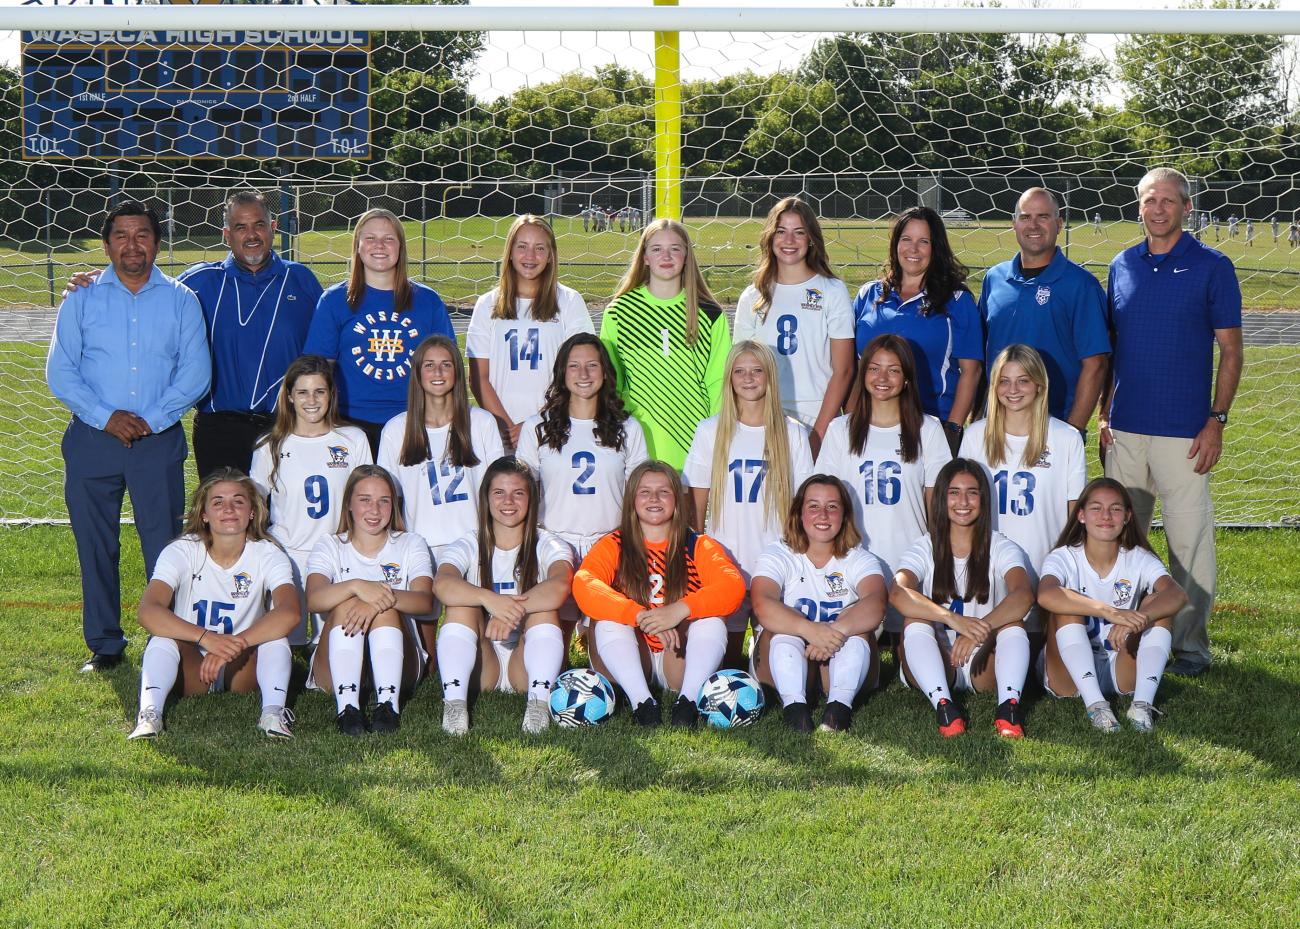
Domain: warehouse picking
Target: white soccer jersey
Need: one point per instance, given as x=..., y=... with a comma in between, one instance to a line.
x=582, y=483
x=1030, y=505
x=1134, y=576
x=1003, y=556
x=800, y=323
x=404, y=557
x=888, y=493
x=440, y=499
x=224, y=600
x=308, y=491
x=521, y=352
x=744, y=526
x=820, y=594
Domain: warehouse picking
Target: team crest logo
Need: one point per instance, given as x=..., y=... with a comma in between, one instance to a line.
x=812, y=299
x=392, y=573
x=1123, y=593
x=243, y=584
x=835, y=585
x=1044, y=460
x=1044, y=294
x=386, y=342
x=338, y=456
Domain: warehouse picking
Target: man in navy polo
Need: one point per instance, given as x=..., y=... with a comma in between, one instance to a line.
x=1042, y=299
x=1171, y=298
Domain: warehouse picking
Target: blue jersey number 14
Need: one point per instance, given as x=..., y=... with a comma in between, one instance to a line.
x=528, y=353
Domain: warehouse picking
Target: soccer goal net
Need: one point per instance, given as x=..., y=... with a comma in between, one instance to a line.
x=460, y=117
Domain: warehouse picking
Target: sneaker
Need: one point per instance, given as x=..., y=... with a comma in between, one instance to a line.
x=685, y=713
x=455, y=717
x=1142, y=715
x=951, y=718
x=836, y=717
x=1187, y=667
x=1010, y=720
x=537, y=717
x=350, y=721
x=647, y=713
x=99, y=663
x=1102, y=717
x=798, y=717
x=384, y=719
x=147, y=725
x=275, y=721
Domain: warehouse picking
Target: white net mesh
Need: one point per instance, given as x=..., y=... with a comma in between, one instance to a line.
x=465, y=130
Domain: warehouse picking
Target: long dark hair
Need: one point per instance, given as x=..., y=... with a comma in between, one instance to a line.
x=631, y=577
x=286, y=414
x=910, y=413
x=943, y=588
x=526, y=567
x=553, y=430
x=357, y=272
x=415, y=440
x=944, y=276
x=1075, y=533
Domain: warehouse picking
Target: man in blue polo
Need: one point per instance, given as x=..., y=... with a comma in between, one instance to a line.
x=1171, y=298
x=1042, y=299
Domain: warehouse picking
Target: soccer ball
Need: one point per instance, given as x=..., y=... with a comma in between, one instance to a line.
x=581, y=697
x=730, y=698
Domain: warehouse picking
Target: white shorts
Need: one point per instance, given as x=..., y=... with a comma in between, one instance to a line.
x=657, y=678
x=1103, y=665
x=962, y=679
x=504, y=650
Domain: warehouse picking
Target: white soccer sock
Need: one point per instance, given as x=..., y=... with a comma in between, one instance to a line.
x=345, y=655
x=848, y=670
x=386, y=651
x=159, y=666
x=618, y=649
x=543, y=656
x=274, y=665
x=1153, y=654
x=789, y=668
x=457, y=652
x=925, y=661
x=706, y=643
x=1011, y=662
x=1076, y=654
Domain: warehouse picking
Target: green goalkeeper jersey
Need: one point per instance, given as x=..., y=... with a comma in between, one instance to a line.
x=668, y=385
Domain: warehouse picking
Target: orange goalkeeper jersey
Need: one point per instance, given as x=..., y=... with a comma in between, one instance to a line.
x=714, y=585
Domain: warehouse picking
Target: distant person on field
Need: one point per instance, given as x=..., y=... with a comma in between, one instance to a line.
x=1250, y=232
x=1232, y=226
x=1096, y=223
x=1293, y=234
x=1275, y=230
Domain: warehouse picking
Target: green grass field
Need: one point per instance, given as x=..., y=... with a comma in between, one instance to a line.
x=888, y=825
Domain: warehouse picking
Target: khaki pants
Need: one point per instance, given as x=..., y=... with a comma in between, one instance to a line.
x=1151, y=466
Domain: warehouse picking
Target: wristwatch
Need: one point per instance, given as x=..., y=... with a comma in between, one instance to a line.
x=1220, y=415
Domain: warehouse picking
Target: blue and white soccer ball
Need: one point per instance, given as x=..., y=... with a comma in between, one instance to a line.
x=730, y=699
x=582, y=697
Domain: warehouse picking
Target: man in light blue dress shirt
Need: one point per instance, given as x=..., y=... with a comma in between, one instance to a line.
x=128, y=358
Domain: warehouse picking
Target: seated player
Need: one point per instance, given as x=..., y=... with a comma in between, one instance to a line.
x=1112, y=605
x=820, y=601
x=205, y=608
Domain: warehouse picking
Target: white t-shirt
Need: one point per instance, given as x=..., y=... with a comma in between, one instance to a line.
x=308, y=491
x=800, y=323
x=404, y=557
x=1134, y=576
x=888, y=493
x=582, y=483
x=521, y=352
x=1003, y=556
x=439, y=499
x=1031, y=505
x=225, y=600
x=820, y=594
x=744, y=526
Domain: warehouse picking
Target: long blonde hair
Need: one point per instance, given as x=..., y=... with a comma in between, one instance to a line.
x=357, y=272
x=995, y=428
x=196, y=525
x=693, y=283
x=546, y=305
x=415, y=438
x=776, y=439
x=817, y=259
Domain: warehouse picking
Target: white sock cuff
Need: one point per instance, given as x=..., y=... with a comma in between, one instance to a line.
x=608, y=631
x=1157, y=636
x=922, y=630
x=161, y=645
x=385, y=637
x=1008, y=633
x=275, y=645
x=709, y=629
x=1071, y=634
x=544, y=631
x=457, y=631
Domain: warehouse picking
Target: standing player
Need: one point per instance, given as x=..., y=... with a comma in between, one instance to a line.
x=656, y=593
x=668, y=339
x=1275, y=229
x=742, y=468
x=1250, y=233
x=205, y=608
x=373, y=579
x=798, y=308
x=964, y=585
x=819, y=599
x=302, y=465
x=1096, y=223
x=1112, y=604
x=517, y=327
x=503, y=587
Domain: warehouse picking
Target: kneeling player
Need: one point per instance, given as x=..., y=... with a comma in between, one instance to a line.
x=820, y=599
x=205, y=608
x=656, y=593
x=502, y=587
x=1112, y=604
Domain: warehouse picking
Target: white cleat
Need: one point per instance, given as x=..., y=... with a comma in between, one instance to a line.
x=1142, y=715
x=1102, y=717
x=147, y=725
x=537, y=717
x=275, y=722
x=455, y=717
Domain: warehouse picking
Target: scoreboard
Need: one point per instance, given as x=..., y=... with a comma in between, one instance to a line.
x=291, y=94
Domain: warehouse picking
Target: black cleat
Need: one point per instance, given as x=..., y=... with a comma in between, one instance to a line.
x=100, y=662
x=384, y=719
x=350, y=721
x=685, y=713
x=1010, y=720
x=647, y=714
x=836, y=717
x=951, y=718
x=798, y=717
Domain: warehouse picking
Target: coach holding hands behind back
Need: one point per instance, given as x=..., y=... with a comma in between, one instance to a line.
x=1170, y=299
x=128, y=358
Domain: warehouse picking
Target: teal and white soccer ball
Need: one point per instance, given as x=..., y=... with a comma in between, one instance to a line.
x=581, y=697
x=730, y=699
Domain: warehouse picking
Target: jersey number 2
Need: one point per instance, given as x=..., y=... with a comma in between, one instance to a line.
x=586, y=461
